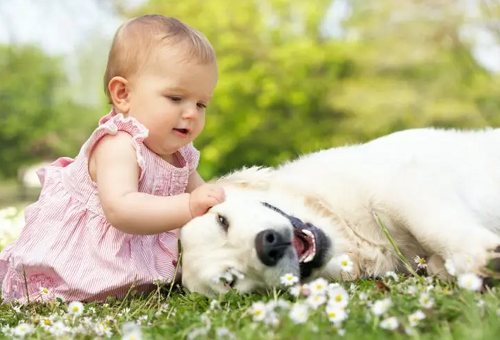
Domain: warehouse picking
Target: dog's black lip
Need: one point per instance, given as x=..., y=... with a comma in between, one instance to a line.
x=322, y=242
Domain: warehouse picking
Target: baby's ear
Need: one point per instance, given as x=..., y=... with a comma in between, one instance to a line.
x=118, y=90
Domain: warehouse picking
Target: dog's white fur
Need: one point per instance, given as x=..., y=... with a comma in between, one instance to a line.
x=437, y=192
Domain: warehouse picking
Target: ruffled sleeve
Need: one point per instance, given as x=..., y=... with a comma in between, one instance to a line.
x=110, y=125
x=192, y=157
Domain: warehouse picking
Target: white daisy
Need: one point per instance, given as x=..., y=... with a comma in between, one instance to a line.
x=278, y=303
x=299, y=313
x=195, y=333
x=75, y=308
x=318, y=286
x=295, y=290
x=47, y=322
x=7, y=331
x=315, y=300
x=390, y=323
x=58, y=329
x=450, y=267
x=289, y=280
x=223, y=332
x=421, y=262
x=392, y=275
x=426, y=300
x=338, y=296
x=258, y=311
x=345, y=263
x=381, y=306
x=415, y=318
x=101, y=329
x=131, y=331
x=45, y=292
x=132, y=336
x=22, y=329
x=470, y=281
x=336, y=314
x=272, y=319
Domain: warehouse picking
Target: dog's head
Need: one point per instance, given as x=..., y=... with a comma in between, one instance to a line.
x=248, y=245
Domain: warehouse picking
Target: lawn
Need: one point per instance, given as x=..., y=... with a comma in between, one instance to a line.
x=389, y=308
x=392, y=307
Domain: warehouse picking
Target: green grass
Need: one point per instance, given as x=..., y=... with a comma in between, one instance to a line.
x=456, y=314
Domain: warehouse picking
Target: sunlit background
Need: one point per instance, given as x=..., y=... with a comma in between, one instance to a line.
x=295, y=76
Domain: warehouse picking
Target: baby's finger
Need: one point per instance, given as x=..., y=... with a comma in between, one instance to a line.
x=219, y=193
x=213, y=200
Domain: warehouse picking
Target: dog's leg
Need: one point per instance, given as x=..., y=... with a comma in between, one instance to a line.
x=451, y=232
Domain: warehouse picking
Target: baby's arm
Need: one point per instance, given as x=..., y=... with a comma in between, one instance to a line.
x=117, y=176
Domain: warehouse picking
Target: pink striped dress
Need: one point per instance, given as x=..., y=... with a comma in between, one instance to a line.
x=68, y=247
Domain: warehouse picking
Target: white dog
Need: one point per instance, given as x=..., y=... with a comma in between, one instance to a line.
x=436, y=191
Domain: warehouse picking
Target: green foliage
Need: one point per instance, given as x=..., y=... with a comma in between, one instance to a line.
x=455, y=314
x=36, y=123
x=276, y=72
x=285, y=88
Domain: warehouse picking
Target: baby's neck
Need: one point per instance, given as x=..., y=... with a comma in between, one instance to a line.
x=172, y=159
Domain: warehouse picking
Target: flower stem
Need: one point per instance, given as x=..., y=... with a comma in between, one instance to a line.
x=394, y=245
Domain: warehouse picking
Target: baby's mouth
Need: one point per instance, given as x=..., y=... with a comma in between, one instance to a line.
x=183, y=131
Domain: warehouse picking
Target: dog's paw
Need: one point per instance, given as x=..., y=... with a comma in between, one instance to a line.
x=436, y=267
x=491, y=272
x=494, y=262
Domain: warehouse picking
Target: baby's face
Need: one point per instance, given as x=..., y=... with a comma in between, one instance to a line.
x=169, y=96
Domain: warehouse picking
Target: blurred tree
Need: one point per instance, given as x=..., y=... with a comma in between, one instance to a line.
x=490, y=10
x=276, y=72
x=413, y=67
x=35, y=121
x=286, y=89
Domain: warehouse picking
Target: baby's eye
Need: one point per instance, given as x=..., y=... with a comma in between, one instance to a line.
x=201, y=106
x=175, y=99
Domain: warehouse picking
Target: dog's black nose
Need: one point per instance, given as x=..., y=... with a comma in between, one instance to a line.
x=270, y=246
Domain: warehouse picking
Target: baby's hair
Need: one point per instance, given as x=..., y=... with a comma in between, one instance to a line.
x=135, y=39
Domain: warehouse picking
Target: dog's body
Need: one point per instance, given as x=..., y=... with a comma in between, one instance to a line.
x=436, y=191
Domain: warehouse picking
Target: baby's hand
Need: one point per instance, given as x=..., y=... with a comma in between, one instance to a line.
x=204, y=197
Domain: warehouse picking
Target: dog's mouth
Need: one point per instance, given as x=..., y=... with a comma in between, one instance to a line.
x=304, y=243
x=310, y=243
x=311, y=246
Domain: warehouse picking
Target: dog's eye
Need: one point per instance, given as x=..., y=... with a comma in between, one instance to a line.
x=223, y=222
